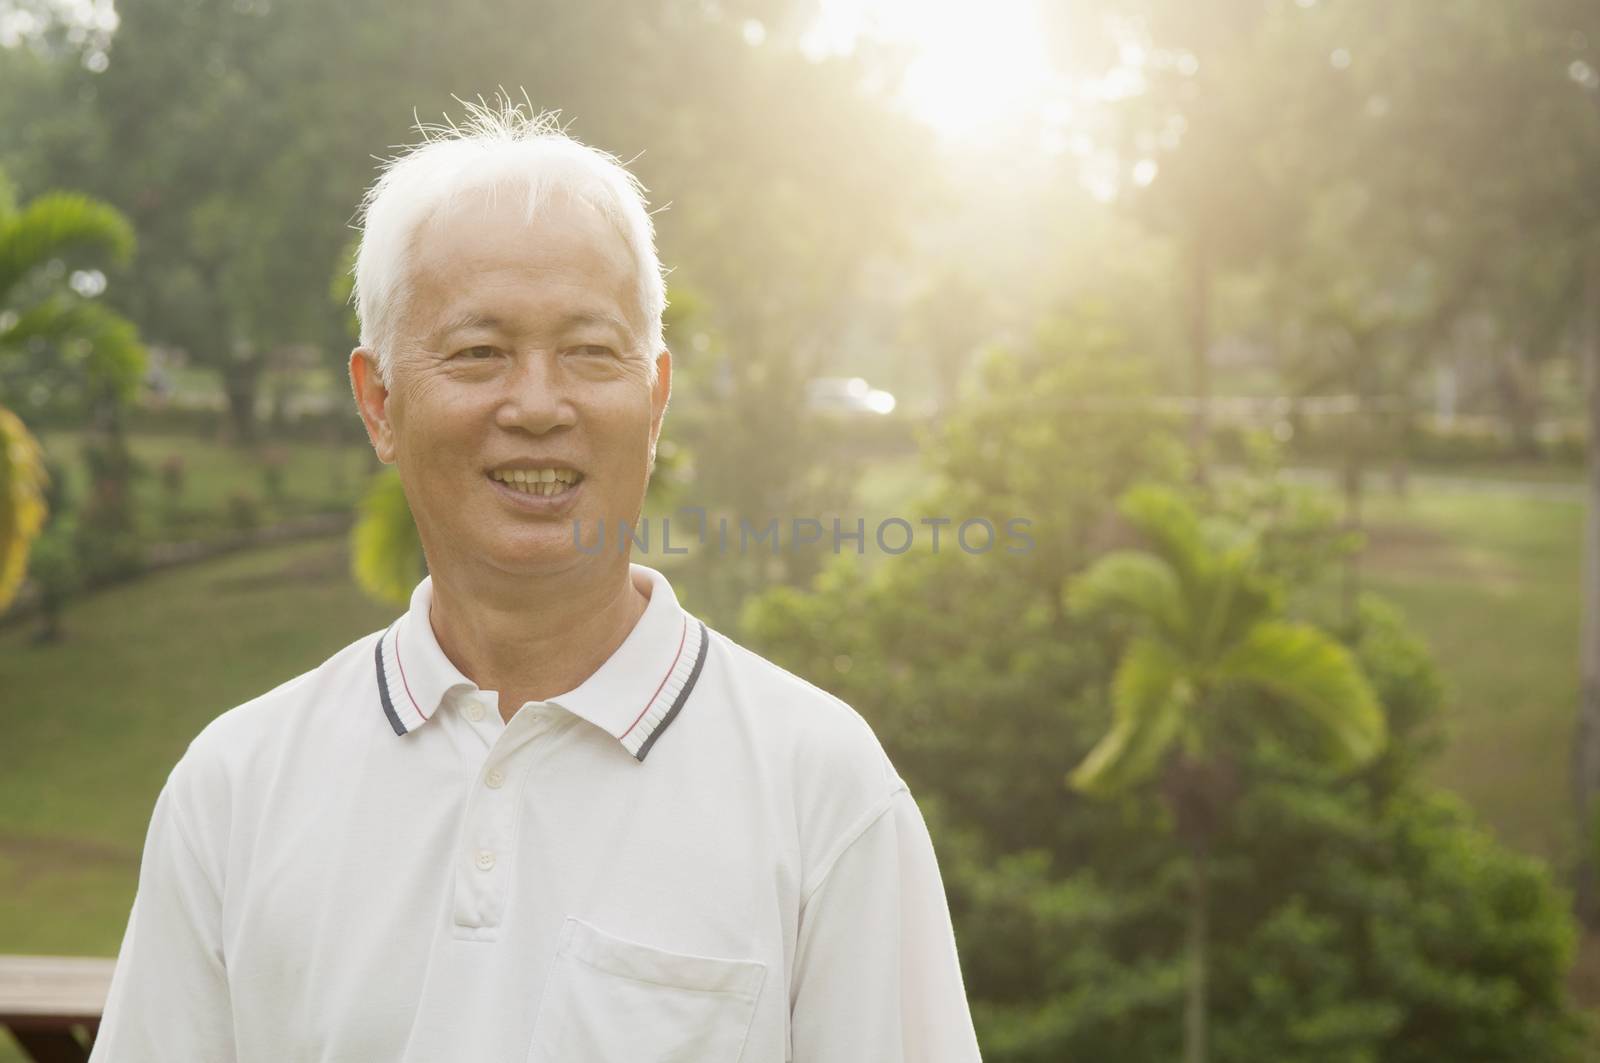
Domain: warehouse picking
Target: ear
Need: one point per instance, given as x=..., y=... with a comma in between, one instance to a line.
x=659, y=394
x=372, y=399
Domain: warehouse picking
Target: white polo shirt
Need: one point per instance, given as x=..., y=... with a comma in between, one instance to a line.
x=693, y=857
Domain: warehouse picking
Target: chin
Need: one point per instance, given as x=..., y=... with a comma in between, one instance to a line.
x=538, y=558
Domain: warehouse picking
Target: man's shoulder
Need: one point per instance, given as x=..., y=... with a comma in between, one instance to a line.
x=824, y=739
x=796, y=703
x=843, y=780
x=252, y=728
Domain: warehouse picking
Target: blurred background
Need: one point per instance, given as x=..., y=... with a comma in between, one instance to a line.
x=1277, y=320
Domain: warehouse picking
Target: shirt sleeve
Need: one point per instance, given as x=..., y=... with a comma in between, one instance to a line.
x=169, y=993
x=876, y=977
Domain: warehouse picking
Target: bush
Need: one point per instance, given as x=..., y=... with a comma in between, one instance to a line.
x=244, y=511
x=274, y=462
x=173, y=475
x=54, y=566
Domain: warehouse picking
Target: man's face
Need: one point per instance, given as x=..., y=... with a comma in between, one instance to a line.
x=520, y=348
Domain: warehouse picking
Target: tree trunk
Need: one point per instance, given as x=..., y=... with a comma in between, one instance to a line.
x=1196, y=958
x=1516, y=387
x=1586, y=741
x=241, y=378
x=1403, y=432
x=49, y=631
x=1354, y=483
x=1200, y=353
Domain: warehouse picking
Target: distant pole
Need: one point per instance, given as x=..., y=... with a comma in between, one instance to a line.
x=1586, y=741
x=1200, y=355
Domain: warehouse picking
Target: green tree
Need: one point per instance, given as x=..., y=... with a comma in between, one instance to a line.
x=1355, y=916
x=385, y=549
x=1208, y=624
x=47, y=334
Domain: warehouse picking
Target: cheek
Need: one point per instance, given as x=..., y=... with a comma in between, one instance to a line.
x=627, y=443
x=442, y=465
x=441, y=420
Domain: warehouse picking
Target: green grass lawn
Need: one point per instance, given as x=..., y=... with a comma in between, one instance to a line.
x=1491, y=581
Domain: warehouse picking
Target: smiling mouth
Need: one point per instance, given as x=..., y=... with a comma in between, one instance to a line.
x=542, y=482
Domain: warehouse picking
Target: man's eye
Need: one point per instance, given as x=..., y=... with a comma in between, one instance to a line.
x=594, y=350
x=478, y=353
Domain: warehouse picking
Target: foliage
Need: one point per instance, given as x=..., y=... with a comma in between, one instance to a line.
x=22, y=511
x=78, y=339
x=244, y=511
x=53, y=342
x=243, y=197
x=54, y=566
x=273, y=462
x=1355, y=918
x=1205, y=628
x=173, y=474
x=107, y=535
x=385, y=549
x=740, y=404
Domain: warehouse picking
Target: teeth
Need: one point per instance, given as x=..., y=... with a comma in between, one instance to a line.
x=541, y=482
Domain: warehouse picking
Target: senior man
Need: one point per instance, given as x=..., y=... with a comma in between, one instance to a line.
x=546, y=815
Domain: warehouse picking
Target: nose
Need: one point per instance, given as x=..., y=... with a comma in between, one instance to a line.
x=535, y=398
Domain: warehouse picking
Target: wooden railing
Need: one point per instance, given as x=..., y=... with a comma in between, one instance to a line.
x=52, y=1004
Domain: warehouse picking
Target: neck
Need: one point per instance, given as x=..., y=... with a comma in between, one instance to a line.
x=543, y=639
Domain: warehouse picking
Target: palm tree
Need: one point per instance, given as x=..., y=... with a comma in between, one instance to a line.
x=39, y=312
x=1208, y=638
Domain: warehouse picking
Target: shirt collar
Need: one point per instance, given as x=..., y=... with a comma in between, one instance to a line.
x=634, y=696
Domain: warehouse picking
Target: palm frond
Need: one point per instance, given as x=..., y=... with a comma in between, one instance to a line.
x=1168, y=520
x=1150, y=697
x=57, y=224
x=385, y=549
x=88, y=338
x=1133, y=584
x=1307, y=669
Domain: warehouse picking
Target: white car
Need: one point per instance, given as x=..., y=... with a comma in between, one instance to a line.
x=848, y=395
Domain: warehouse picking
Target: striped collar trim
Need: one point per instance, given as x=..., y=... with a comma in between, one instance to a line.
x=673, y=690
x=634, y=696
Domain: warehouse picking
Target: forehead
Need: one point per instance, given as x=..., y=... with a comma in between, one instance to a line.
x=486, y=256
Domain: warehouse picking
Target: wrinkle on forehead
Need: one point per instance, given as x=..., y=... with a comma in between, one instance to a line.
x=424, y=283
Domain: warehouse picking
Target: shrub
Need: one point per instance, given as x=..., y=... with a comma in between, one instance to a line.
x=173, y=476
x=244, y=511
x=54, y=566
x=274, y=467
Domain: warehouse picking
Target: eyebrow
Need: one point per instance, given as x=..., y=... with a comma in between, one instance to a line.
x=469, y=320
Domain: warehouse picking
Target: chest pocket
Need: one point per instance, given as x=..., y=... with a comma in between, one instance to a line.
x=609, y=1000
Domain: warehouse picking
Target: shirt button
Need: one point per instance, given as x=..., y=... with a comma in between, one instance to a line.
x=495, y=779
x=485, y=859
x=474, y=711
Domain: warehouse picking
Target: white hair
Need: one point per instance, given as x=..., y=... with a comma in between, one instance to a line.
x=498, y=147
